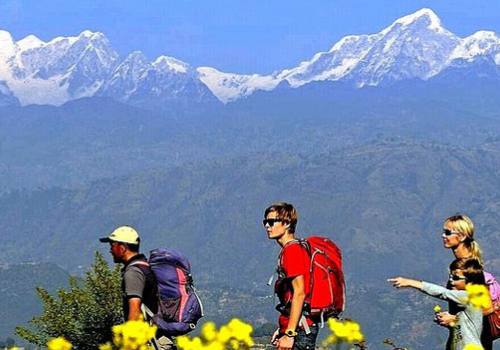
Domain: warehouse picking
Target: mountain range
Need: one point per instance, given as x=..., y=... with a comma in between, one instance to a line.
x=416, y=46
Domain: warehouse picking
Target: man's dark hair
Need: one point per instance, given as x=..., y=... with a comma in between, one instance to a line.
x=132, y=247
x=284, y=211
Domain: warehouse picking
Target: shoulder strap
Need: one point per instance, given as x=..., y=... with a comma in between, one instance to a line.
x=139, y=262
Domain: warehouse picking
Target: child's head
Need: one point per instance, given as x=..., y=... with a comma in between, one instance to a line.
x=464, y=271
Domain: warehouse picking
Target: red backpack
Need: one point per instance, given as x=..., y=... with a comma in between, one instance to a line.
x=326, y=297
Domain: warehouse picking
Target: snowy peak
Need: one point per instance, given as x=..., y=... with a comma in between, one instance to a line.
x=166, y=81
x=7, y=45
x=481, y=43
x=423, y=17
x=29, y=42
x=331, y=65
x=90, y=34
x=167, y=63
x=414, y=46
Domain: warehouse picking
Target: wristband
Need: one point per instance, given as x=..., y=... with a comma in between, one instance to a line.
x=291, y=333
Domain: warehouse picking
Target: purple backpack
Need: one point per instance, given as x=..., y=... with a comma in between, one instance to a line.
x=179, y=307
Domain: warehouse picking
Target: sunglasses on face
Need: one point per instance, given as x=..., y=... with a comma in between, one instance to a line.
x=271, y=222
x=447, y=232
x=457, y=278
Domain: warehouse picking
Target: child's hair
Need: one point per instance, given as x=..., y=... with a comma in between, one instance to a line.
x=471, y=269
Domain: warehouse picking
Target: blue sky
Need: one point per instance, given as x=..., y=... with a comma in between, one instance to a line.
x=252, y=36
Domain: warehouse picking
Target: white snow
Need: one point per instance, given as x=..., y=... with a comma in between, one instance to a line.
x=171, y=63
x=388, y=44
x=434, y=21
x=7, y=45
x=30, y=42
x=40, y=91
x=413, y=46
x=478, y=44
x=229, y=86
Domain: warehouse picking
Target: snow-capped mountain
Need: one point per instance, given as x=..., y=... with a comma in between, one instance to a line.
x=416, y=46
x=67, y=68
x=482, y=43
x=163, y=81
x=331, y=65
x=54, y=72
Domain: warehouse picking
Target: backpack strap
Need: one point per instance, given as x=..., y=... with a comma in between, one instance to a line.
x=138, y=262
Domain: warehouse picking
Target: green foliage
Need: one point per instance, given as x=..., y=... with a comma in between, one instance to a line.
x=83, y=313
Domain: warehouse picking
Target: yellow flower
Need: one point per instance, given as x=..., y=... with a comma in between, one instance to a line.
x=133, y=335
x=59, y=344
x=354, y=334
x=241, y=331
x=348, y=331
x=234, y=335
x=209, y=332
x=106, y=346
x=473, y=347
x=478, y=296
x=437, y=308
x=185, y=343
x=215, y=345
x=224, y=334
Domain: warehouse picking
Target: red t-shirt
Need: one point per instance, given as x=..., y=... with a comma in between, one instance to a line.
x=295, y=261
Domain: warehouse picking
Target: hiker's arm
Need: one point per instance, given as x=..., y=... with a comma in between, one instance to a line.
x=134, y=309
x=135, y=282
x=458, y=296
x=401, y=282
x=298, y=297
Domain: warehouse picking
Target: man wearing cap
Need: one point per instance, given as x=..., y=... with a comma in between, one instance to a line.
x=138, y=281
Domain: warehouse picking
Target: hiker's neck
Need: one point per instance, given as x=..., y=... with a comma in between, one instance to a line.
x=461, y=251
x=129, y=255
x=287, y=237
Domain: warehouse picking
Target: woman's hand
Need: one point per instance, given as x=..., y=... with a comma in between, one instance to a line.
x=401, y=282
x=446, y=319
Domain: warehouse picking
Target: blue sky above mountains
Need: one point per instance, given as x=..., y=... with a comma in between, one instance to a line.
x=243, y=36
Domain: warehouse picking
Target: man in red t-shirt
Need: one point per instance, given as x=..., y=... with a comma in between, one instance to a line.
x=295, y=331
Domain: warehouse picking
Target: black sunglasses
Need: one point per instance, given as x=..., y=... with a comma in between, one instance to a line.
x=271, y=222
x=456, y=277
x=447, y=232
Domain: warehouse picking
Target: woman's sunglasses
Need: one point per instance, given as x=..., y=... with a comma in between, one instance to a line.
x=447, y=232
